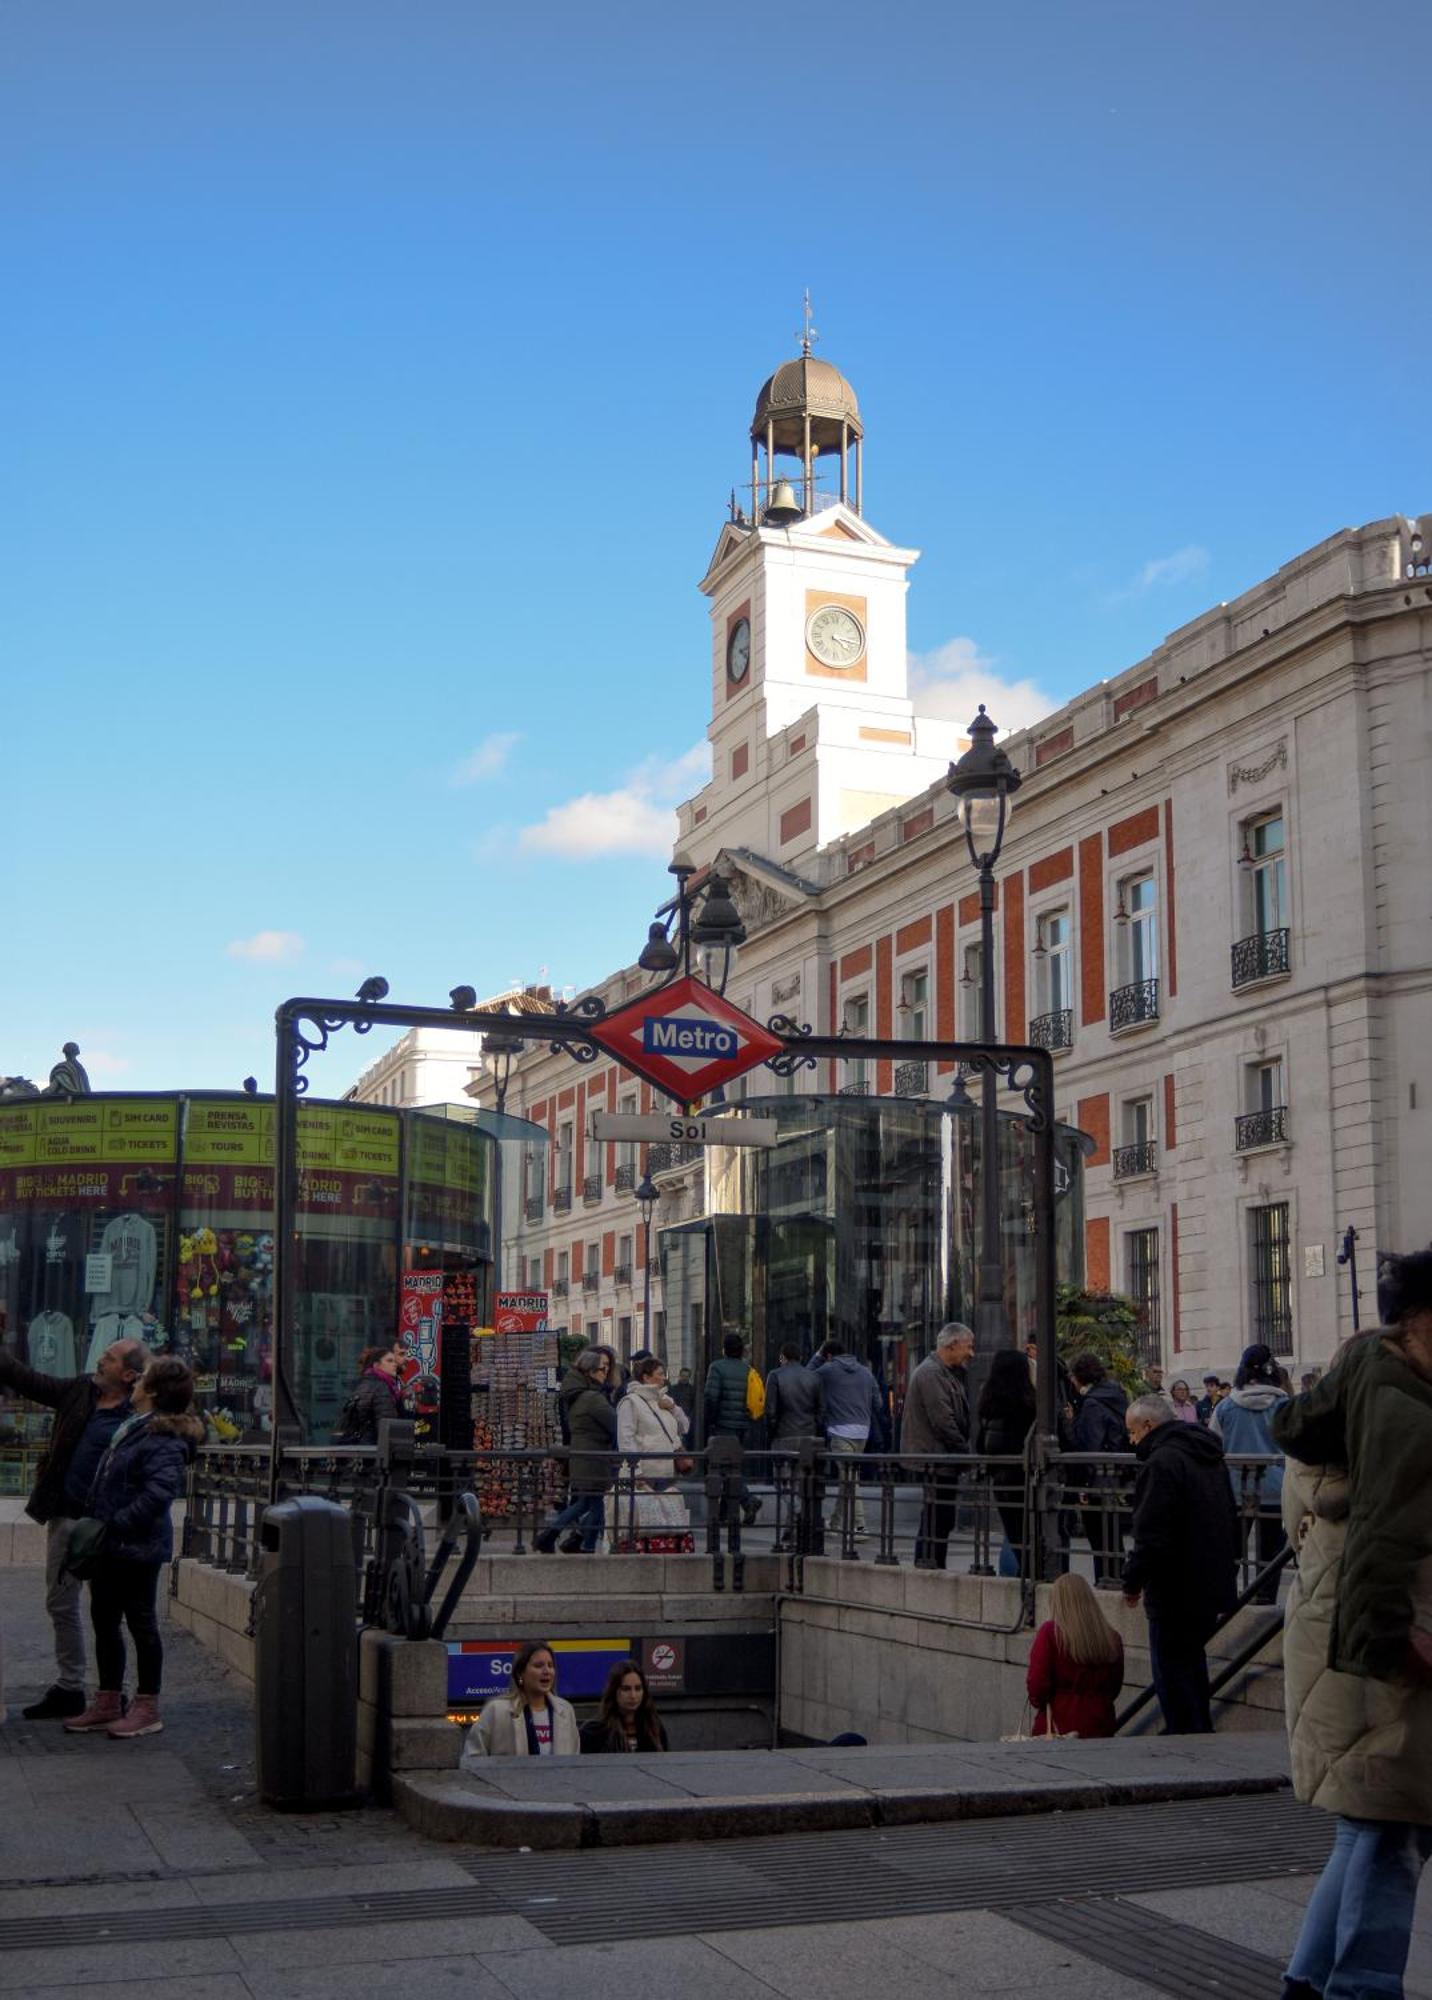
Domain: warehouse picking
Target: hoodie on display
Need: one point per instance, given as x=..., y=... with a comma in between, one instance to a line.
x=108, y=1328
x=52, y=1344
x=129, y=1240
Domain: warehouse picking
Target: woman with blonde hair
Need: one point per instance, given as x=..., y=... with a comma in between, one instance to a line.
x=1076, y=1665
x=530, y=1720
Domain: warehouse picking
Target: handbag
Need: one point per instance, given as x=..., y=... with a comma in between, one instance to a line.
x=84, y=1551
x=1027, y=1735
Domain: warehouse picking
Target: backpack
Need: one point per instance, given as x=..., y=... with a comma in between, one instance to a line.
x=755, y=1395
x=349, y=1428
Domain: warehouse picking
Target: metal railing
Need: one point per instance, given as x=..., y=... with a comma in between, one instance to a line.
x=532, y=1208
x=625, y=1179
x=976, y=1513
x=860, y=1088
x=559, y=1288
x=1053, y=1031
x=661, y=1158
x=1264, y=955
x=592, y=1189
x=912, y=1079
x=621, y=1274
x=561, y=1200
x=1261, y=1128
x=591, y=1281
x=1131, y=1004
x=1132, y=1160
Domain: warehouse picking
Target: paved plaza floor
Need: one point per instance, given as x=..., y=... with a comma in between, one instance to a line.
x=150, y=1871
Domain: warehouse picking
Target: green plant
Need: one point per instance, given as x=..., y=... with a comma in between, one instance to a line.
x=1101, y=1323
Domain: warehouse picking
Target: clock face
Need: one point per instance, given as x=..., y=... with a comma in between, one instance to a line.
x=835, y=636
x=738, y=650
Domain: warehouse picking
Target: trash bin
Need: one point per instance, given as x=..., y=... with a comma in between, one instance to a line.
x=306, y=1656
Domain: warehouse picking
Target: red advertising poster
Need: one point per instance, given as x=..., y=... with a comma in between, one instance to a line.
x=520, y=1312
x=420, y=1318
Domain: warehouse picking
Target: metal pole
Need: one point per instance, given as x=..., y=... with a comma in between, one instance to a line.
x=646, y=1299
x=1348, y=1255
x=990, y=1329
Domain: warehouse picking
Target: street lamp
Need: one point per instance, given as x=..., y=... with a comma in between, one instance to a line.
x=706, y=918
x=647, y=1196
x=983, y=781
x=500, y=1048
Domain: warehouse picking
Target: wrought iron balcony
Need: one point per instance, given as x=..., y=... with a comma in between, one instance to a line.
x=1133, y=1004
x=1261, y=1128
x=533, y=1208
x=1262, y=956
x=626, y=1179
x=1053, y=1031
x=912, y=1079
x=559, y=1288
x=1132, y=1160
x=622, y=1274
x=591, y=1281
x=661, y=1158
x=561, y=1200
x=592, y=1189
x=861, y=1089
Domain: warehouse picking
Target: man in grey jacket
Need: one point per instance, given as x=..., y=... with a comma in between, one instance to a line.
x=936, y=1421
x=795, y=1401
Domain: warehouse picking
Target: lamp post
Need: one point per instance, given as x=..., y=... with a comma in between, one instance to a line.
x=983, y=781
x=647, y=1196
x=705, y=918
x=500, y=1049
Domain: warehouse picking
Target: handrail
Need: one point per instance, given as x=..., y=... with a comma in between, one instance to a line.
x=1254, y=1646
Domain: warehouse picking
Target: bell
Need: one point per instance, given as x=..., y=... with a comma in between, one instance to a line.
x=783, y=506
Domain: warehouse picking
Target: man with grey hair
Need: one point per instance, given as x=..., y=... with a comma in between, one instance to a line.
x=936, y=1423
x=1183, y=1561
x=88, y=1411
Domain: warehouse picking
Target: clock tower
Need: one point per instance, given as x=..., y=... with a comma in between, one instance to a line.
x=812, y=730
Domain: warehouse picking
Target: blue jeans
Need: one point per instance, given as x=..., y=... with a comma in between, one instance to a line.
x=1358, y=1924
x=587, y=1511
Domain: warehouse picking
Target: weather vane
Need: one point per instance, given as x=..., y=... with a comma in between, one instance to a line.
x=808, y=332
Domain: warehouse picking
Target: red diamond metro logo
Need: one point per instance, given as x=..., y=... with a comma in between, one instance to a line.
x=685, y=1039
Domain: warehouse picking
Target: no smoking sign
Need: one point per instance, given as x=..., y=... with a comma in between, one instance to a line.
x=664, y=1664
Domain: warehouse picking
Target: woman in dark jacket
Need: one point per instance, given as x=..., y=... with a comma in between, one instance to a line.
x=627, y=1719
x=1006, y=1414
x=591, y=1428
x=138, y=1480
x=379, y=1394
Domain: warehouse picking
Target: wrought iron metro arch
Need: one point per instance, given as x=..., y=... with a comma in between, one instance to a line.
x=305, y=1027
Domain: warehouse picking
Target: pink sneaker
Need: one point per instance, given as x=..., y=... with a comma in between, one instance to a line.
x=105, y=1708
x=142, y=1719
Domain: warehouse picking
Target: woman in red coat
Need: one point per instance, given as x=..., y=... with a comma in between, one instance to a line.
x=1076, y=1665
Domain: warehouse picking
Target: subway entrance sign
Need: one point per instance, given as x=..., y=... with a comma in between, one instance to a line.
x=685, y=1039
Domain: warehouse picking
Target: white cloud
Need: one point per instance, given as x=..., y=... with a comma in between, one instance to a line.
x=1158, y=571
x=271, y=947
x=488, y=758
x=351, y=968
x=951, y=682
x=638, y=817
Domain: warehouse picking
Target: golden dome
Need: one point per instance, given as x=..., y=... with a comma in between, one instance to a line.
x=806, y=386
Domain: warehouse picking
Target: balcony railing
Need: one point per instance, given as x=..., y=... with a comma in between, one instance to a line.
x=912, y=1079
x=860, y=1089
x=1262, y=956
x=592, y=1189
x=1261, y=1128
x=626, y=1179
x=533, y=1208
x=1132, y=1160
x=1129, y=1005
x=559, y=1288
x=1053, y=1031
x=591, y=1281
x=561, y=1201
x=662, y=1158
x=622, y=1274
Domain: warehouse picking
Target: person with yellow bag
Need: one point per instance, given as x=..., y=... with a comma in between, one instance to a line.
x=735, y=1398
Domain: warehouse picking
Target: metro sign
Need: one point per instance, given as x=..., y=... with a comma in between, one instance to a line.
x=685, y=1039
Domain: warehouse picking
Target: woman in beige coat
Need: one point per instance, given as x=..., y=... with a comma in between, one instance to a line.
x=530, y=1720
x=1361, y=1741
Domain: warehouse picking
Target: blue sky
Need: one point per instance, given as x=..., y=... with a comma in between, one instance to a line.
x=372, y=380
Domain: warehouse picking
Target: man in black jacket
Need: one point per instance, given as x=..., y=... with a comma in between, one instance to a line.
x=1184, y=1558
x=795, y=1401
x=1097, y=1425
x=88, y=1410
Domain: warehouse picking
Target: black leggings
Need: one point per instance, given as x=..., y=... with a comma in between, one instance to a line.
x=123, y=1593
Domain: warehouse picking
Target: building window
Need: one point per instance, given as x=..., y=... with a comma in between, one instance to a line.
x=594, y=1332
x=1272, y=1276
x=915, y=1005
x=1142, y=1254
x=564, y=1267
x=1264, y=1120
x=972, y=996
x=1053, y=1025
x=1138, y=1152
x=624, y=1337
x=534, y=1275
x=1261, y=952
x=564, y=1156
x=1136, y=921
x=855, y=1020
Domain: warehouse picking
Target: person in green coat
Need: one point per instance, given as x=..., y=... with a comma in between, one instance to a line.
x=1358, y=1643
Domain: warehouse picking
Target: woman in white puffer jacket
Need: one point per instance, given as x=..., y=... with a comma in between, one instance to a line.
x=653, y=1519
